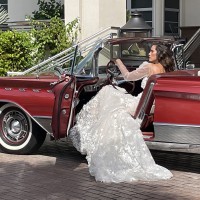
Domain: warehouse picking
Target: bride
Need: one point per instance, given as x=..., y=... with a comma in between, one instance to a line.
x=111, y=138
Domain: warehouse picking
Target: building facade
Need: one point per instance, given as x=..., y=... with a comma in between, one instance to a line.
x=18, y=10
x=95, y=15
x=166, y=16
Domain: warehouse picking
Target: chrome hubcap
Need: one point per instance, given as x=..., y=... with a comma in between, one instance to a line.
x=15, y=126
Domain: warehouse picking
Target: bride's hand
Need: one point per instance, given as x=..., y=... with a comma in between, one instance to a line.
x=116, y=61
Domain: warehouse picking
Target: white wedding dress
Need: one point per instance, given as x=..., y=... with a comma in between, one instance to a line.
x=107, y=133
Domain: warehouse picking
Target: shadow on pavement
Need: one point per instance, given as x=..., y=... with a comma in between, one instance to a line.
x=179, y=161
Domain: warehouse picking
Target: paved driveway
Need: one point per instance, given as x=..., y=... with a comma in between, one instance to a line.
x=59, y=172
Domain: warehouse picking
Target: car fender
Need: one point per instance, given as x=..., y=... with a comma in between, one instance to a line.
x=5, y=104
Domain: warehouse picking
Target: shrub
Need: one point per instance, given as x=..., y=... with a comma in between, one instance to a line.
x=22, y=50
x=16, y=51
x=53, y=37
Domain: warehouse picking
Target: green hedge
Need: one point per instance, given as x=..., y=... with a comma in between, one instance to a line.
x=16, y=51
x=53, y=37
x=21, y=50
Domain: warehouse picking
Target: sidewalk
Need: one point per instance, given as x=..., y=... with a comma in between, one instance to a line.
x=59, y=172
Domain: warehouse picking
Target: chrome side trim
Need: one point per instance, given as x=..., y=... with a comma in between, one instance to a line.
x=72, y=108
x=22, y=89
x=25, y=89
x=187, y=148
x=174, y=133
x=180, y=95
x=170, y=124
x=8, y=89
x=36, y=90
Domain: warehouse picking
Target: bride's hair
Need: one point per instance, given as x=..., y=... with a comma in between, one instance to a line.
x=165, y=57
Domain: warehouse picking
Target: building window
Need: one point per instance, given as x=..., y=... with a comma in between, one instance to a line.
x=4, y=4
x=171, y=15
x=142, y=6
x=172, y=4
x=147, y=15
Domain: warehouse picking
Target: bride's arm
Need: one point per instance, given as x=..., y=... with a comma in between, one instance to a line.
x=139, y=73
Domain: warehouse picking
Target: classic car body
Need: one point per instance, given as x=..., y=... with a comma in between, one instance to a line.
x=46, y=98
x=170, y=102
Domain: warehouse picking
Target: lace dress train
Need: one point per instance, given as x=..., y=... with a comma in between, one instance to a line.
x=107, y=133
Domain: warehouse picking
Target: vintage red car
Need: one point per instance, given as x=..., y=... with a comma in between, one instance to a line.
x=45, y=99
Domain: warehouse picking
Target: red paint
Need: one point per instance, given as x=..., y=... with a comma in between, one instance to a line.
x=177, y=100
x=36, y=103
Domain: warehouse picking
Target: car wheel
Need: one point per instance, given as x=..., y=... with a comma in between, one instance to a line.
x=18, y=133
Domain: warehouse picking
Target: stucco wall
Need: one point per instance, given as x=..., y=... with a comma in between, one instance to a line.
x=190, y=13
x=112, y=13
x=158, y=18
x=18, y=9
x=95, y=15
x=90, y=17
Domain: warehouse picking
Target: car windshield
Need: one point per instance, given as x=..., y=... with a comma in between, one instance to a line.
x=85, y=60
x=75, y=60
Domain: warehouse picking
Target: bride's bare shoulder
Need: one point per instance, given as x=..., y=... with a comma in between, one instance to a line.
x=155, y=68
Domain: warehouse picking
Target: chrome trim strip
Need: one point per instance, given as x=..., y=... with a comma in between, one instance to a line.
x=177, y=134
x=180, y=95
x=42, y=117
x=36, y=90
x=25, y=89
x=8, y=89
x=171, y=124
x=22, y=89
x=72, y=108
x=186, y=148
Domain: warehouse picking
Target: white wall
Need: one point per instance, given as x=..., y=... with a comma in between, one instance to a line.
x=190, y=13
x=72, y=10
x=95, y=15
x=158, y=18
x=18, y=9
x=112, y=13
x=90, y=18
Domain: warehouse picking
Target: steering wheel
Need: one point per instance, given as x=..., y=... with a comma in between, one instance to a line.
x=113, y=74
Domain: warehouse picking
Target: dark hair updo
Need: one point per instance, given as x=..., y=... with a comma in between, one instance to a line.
x=165, y=57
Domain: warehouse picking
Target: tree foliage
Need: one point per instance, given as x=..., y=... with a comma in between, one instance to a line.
x=21, y=50
x=54, y=36
x=16, y=51
x=49, y=9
